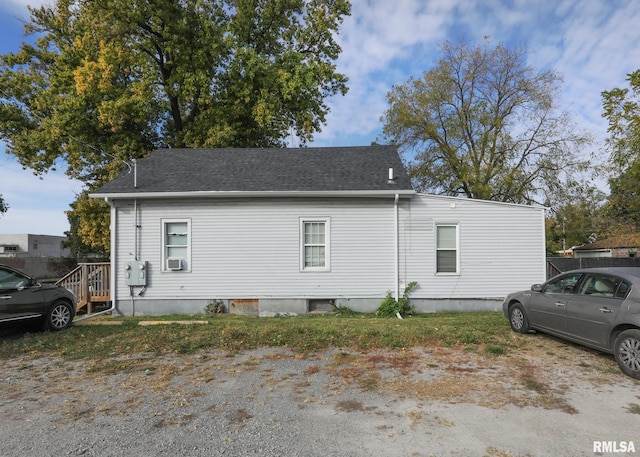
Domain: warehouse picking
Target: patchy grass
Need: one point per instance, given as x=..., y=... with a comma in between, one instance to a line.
x=238, y=417
x=633, y=408
x=452, y=357
x=495, y=452
x=483, y=332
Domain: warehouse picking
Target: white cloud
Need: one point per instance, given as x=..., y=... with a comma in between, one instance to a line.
x=594, y=45
x=380, y=41
x=35, y=205
x=34, y=221
x=600, y=47
x=380, y=31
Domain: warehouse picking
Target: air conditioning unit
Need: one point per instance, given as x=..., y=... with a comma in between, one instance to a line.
x=174, y=264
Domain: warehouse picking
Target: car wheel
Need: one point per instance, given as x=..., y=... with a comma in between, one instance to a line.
x=59, y=316
x=518, y=319
x=627, y=352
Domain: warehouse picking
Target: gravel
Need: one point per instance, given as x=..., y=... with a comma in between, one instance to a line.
x=555, y=401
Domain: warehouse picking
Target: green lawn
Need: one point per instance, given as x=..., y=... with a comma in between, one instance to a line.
x=486, y=332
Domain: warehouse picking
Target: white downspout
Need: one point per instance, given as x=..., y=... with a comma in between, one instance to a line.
x=114, y=255
x=135, y=246
x=135, y=229
x=397, y=247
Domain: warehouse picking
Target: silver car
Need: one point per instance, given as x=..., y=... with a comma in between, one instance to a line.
x=595, y=307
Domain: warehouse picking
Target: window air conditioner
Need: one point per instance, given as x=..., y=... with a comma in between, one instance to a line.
x=174, y=264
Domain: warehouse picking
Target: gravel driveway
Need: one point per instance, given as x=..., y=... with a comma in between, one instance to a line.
x=555, y=399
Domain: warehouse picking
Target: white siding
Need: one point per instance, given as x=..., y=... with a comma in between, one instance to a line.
x=251, y=248
x=502, y=247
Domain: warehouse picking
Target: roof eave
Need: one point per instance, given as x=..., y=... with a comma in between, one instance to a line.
x=254, y=194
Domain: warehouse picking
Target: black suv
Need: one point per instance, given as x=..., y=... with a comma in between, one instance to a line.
x=24, y=300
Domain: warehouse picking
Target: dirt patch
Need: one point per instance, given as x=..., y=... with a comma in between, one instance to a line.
x=419, y=402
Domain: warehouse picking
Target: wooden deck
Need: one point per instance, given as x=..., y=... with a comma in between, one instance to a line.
x=90, y=283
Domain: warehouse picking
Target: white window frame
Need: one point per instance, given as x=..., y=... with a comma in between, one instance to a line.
x=456, y=249
x=186, y=261
x=327, y=243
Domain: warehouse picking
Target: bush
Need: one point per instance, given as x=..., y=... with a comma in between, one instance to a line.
x=214, y=307
x=390, y=307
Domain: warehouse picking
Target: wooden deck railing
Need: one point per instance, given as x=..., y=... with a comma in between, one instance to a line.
x=90, y=283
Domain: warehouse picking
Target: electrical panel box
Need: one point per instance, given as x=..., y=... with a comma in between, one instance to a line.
x=135, y=273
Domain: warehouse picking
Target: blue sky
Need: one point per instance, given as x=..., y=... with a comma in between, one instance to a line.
x=594, y=44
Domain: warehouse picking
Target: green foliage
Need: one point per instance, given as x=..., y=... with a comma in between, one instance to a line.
x=108, y=81
x=214, y=307
x=572, y=222
x=483, y=124
x=89, y=234
x=622, y=110
x=623, y=205
x=391, y=307
x=4, y=207
x=494, y=350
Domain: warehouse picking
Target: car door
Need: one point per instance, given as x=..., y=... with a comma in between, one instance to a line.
x=548, y=307
x=20, y=296
x=592, y=311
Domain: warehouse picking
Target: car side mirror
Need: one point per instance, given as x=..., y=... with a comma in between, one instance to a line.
x=536, y=288
x=31, y=282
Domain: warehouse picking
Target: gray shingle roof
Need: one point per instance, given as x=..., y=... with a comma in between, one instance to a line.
x=269, y=170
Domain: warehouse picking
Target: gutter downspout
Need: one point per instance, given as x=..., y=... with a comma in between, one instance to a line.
x=397, y=247
x=135, y=245
x=135, y=229
x=112, y=279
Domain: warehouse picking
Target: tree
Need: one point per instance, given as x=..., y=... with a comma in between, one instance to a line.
x=573, y=222
x=623, y=205
x=89, y=234
x=4, y=207
x=483, y=124
x=108, y=81
x=622, y=110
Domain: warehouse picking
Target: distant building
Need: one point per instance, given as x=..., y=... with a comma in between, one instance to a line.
x=36, y=255
x=618, y=247
x=28, y=245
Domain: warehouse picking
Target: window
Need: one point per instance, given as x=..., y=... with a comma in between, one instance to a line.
x=565, y=284
x=447, y=249
x=12, y=280
x=600, y=285
x=314, y=244
x=176, y=237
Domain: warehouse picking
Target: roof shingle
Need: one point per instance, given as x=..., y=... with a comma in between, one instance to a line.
x=270, y=170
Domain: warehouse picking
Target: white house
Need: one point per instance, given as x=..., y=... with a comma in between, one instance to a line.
x=292, y=230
